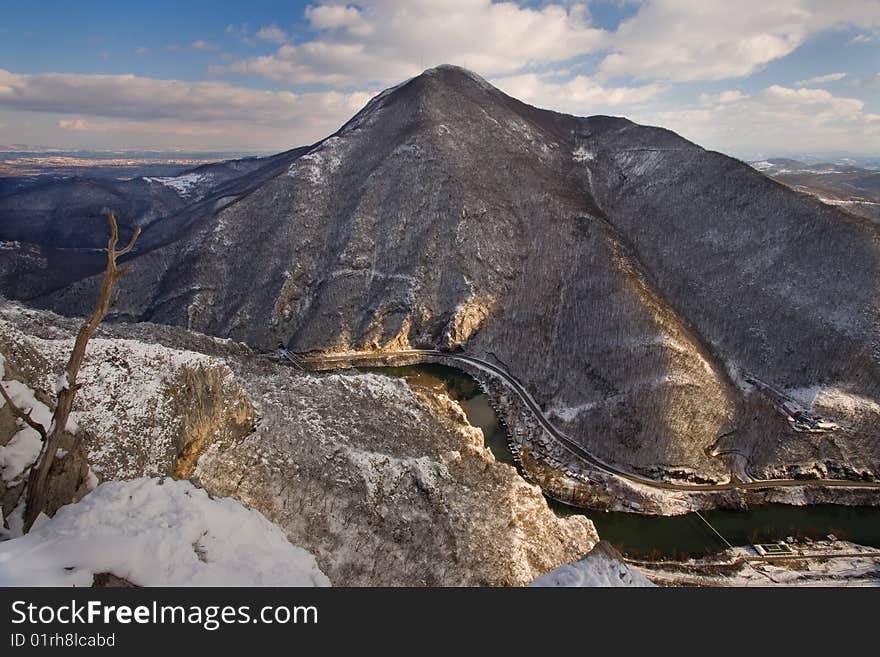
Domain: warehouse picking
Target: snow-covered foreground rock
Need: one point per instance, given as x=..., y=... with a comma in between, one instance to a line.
x=603, y=566
x=390, y=486
x=17, y=455
x=384, y=484
x=157, y=532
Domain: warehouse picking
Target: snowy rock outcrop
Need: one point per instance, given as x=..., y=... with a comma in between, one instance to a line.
x=156, y=532
x=603, y=566
x=384, y=484
x=23, y=447
x=130, y=409
x=389, y=486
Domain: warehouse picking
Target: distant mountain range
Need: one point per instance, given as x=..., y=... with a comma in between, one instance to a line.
x=19, y=166
x=852, y=188
x=633, y=281
x=835, y=158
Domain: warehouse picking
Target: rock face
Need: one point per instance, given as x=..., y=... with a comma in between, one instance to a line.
x=629, y=278
x=383, y=484
x=411, y=470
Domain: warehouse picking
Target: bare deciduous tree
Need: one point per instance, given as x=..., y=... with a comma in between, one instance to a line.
x=37, y=488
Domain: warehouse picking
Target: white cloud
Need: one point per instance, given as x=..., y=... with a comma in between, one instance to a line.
x=386, y=41
x=777, y=118
x=821, y=79
x=713, y=39
x=334, y=17
x=535, y=53
x=74, y=124
x=142, y=106
x=581, y=95
x=272, y=33
x=674, y=40
x=202, y=45
x=241, y=32
x=860, y=39
x=729, y=96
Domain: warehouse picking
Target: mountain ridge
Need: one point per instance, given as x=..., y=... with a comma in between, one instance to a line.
x=632, y=279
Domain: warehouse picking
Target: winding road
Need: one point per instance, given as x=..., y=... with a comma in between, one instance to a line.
x=328, y=360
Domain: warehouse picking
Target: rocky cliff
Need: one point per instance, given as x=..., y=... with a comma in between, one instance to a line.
x=384, y=484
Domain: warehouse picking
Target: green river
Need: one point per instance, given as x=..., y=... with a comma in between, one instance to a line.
x=645, y=536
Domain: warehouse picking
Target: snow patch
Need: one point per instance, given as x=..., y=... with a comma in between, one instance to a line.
x=601, y=567
x=408, y=149
x=186, y=185
x=157, y=532
x=641, y=162
x=24, y=447
x=817, y=397
x=836, y=201
x=738, y=376
x=569, y=413
x=318, y=163
x=223, y=201
x=124, y=402
x=581, y=154
x=61, y=383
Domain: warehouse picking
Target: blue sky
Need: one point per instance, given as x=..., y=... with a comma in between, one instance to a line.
x=750, y=78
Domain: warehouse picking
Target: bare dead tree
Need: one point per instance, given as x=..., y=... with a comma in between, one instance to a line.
x=37, y=488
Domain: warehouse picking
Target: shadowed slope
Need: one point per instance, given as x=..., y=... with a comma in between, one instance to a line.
x=628, y=277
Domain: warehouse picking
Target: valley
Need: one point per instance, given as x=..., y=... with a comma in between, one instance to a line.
x=640, y=536
x=656, y=330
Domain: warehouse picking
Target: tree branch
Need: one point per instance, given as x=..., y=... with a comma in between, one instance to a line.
x=26, y=417
x=38, y=479
x=137, y=232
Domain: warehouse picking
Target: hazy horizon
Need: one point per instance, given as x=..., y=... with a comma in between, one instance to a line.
x=761, y=77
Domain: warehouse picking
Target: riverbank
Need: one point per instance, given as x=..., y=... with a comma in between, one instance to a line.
x=689, y=536
x=817, y=563
x=567, y=472
x=646, y=536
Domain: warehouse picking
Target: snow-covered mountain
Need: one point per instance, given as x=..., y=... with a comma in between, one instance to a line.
x=632, y=280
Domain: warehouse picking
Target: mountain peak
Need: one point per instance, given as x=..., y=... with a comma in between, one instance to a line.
x=441, y=87
x=444, y=78
x=452, y=71
x=454, y=78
